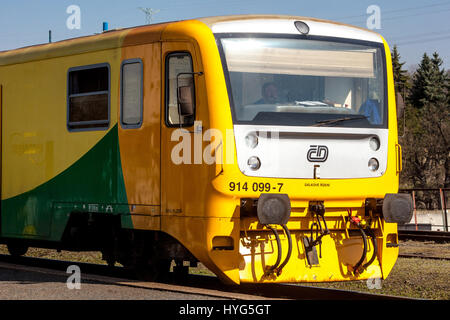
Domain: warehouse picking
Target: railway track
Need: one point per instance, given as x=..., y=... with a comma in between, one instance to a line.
x=436, y=236
x=193, y=284
x=422, y=256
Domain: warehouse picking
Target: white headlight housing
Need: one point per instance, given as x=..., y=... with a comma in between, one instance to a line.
x=251, y=140
x=374, y=143
x=373, y=164
x=254, y=163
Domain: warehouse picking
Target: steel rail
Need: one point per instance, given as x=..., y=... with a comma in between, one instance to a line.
x=437, y=236
x=421, y=256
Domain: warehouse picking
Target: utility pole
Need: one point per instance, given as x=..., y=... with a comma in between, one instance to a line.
x=149, y=12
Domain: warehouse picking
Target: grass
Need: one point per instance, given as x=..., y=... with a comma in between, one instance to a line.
x=85, y=257
x=410, y=277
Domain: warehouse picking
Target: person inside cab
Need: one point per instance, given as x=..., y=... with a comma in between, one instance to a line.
x=370, y=109
x=269, y=94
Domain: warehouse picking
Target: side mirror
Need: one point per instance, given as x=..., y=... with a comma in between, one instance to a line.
x=401, y=108
x=186, y=100
x=400, y=105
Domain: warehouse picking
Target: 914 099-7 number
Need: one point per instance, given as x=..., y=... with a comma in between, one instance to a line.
x=255, y=186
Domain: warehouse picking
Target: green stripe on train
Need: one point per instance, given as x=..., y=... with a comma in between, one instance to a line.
x=95, y=182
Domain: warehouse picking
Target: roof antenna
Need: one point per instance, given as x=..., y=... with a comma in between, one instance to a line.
x=149, y=12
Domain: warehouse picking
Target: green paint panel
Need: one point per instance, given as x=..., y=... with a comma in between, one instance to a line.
x=95, y=181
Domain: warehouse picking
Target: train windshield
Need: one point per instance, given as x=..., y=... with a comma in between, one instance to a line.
x=287, y=81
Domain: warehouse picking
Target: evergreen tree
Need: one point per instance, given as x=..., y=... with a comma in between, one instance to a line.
x=421, y=80
x=401, y=79
x=436, y=93
x=426, y=142
x=429, y=83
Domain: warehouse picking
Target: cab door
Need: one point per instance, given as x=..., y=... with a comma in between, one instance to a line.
x=181, y=133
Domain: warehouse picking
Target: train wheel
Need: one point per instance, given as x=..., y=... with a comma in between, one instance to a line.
x=154, y=270
x=109, y=258
x=111, y=262
x=17, y=248
x=179, y=270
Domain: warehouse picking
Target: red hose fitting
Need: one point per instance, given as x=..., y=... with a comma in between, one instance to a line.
x=355, y=220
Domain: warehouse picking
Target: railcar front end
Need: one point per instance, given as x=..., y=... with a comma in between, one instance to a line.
x=308, y=179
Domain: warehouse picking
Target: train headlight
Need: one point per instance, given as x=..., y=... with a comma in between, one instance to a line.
x=374, y=143
x=251, y=140
x=254, y=163
x=373, y=164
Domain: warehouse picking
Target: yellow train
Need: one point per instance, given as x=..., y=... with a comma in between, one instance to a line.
x=264, y=147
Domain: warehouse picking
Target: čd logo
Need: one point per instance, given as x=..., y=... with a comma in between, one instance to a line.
x=317, y=154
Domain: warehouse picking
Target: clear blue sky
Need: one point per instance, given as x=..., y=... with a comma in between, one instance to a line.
x=415, y=26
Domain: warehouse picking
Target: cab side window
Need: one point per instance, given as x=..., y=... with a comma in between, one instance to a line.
x=88, y=97
x=179, y=77
x=131, y=112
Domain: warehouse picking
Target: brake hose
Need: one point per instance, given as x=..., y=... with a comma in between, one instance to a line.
x=375, y=248
x=269, y=270
x=288, y=235
x=356, y=221
x=364, y=237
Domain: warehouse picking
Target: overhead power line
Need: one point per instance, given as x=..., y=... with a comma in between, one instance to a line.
x=418, y=35
x=397, y=17
x=396, y=10
x=423, y=40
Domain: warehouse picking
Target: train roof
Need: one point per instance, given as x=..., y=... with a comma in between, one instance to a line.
x=283, y=24
x=274, y=24
x=98, y=42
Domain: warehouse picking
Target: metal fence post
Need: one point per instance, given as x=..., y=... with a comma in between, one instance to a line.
x=444, y=210
x=415, y=212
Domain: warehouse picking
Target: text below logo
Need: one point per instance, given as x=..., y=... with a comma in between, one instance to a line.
x=317, y=154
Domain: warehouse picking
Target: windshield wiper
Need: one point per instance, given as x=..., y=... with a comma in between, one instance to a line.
x=330, y=121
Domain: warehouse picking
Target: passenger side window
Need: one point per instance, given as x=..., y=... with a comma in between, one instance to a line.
x=131, y=112
x=179, y=75
x=88, y=97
